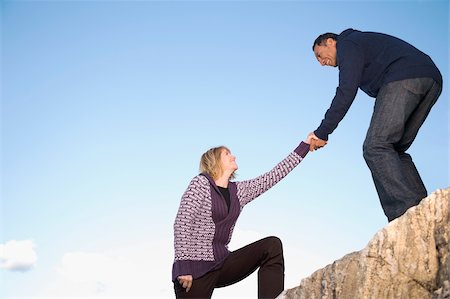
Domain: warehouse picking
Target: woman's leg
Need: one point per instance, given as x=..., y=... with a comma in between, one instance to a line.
x=202, y=287
x=265, y=254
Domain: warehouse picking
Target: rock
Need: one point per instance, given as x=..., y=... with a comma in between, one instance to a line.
x=409, y=258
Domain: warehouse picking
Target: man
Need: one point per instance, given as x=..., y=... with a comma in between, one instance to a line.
x=406, y=84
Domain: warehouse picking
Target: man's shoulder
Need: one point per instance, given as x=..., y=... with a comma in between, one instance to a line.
x=355, y=40
x=347, y=33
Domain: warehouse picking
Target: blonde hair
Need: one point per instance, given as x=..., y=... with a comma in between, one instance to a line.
x=210, y=162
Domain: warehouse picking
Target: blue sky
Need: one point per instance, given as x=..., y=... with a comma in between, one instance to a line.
x=106, y=107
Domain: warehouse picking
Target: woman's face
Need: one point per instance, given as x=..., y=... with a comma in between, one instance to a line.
x=228, y=161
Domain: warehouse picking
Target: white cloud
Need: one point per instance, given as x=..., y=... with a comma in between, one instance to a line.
x=17, y=255
x=132, y=271
x=144, y=270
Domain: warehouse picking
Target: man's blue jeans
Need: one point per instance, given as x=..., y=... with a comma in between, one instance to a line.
x=401, y=108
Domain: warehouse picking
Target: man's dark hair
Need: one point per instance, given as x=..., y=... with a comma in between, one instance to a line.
x=320, y=40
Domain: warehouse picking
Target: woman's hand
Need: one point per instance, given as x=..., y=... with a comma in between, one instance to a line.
x=314, y=142
x=310, y=137
x=185, y=281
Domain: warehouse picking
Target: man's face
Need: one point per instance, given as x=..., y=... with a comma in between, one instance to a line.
x=326, y=53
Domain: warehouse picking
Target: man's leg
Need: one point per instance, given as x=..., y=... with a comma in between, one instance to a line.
x=400, y=109
x=265, y=254
x=412, y=127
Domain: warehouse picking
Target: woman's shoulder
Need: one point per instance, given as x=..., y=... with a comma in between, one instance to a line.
x=199, y=179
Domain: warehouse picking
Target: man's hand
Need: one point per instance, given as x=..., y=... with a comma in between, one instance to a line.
x=185, y=281
x=315, y=142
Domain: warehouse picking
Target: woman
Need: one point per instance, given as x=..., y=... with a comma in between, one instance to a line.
x=204, y=224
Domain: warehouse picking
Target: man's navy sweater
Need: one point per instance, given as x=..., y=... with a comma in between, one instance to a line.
x=368, y=60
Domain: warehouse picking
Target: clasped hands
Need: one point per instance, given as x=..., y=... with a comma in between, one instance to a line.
x=315, y=142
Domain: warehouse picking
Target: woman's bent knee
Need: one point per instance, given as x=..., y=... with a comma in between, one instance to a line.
x=274, y=244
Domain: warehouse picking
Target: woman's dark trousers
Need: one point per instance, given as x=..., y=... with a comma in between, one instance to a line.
x=265, y=254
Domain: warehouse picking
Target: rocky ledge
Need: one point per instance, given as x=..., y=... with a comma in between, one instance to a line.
x=409, y=258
